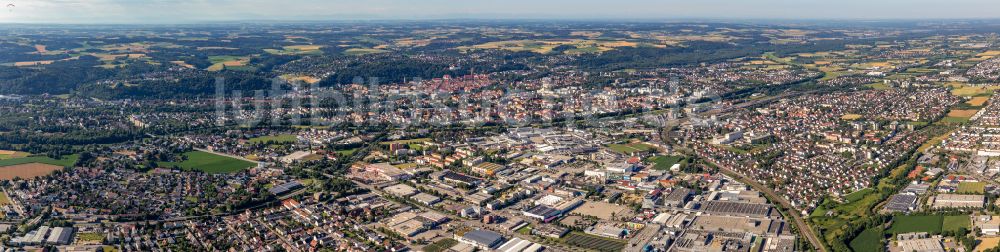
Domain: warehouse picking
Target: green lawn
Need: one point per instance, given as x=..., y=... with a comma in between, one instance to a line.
x=914, y=223
x=64, y=161
x=665, y=162
x=953, y=223
x=972, y=187
x=209, y=163
x=869, y=240
x=285, y=138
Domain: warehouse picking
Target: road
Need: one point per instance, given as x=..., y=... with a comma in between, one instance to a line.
x=804, y=228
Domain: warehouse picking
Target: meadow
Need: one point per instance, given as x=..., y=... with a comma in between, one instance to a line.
x=209, y=163
x=284, y=138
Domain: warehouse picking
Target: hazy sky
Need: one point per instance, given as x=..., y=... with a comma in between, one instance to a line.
x=176, y=11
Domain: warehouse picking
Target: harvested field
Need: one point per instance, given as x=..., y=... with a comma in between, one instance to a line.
x=978, y=101
x=25, y=171
x=962, y=113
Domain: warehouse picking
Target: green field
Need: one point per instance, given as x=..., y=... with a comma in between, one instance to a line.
x=858, y=195
x=441, y=245
x=869, y=240
x=630, y=148
x=593, y=242
x=665, y=162
x=915, y=223
x=956, y=222
x=64, y=161
x=955, y=120
x=929, y=223
x=972, y=187
x=285, y=138
x=362, y=51
x=209, y=163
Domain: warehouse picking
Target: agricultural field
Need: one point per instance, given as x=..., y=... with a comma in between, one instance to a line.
x=978, y=101
x=964, y=90
x=362, y=51
x=64, y=161
x=281, y=139
x=227, y=62
x=27, y=171
x=593, y=242
x=630, y=148
x=962, y=113
x=578, y=46
x=5, y=154
x=209, y=163
x=297, y=50
x=955, y=120
x=971, y=187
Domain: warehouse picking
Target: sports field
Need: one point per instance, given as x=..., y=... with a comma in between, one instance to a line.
x=972, y=187
x=209, y=163
x=664, y=162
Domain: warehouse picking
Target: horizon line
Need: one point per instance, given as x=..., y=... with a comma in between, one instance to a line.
x=516, y=19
